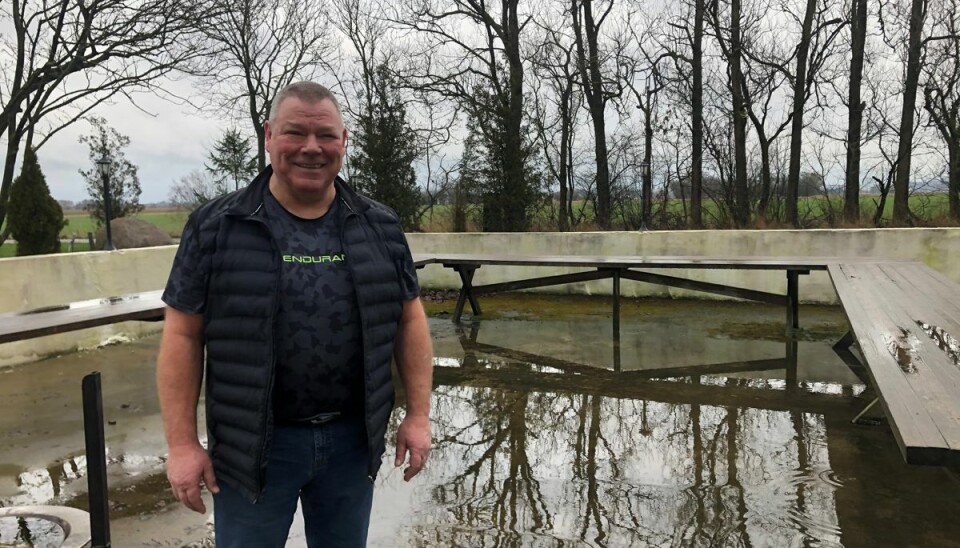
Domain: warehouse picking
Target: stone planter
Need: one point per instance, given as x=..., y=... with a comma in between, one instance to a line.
x=75, y=523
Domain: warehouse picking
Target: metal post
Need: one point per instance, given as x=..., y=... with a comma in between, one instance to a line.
x=96, y=461
x=616, y=320
x=793, y=301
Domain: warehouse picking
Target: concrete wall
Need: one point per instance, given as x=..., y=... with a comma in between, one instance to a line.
x=56, y=279
x=33, y=282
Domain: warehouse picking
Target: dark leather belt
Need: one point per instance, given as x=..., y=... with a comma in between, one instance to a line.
x=316, y=420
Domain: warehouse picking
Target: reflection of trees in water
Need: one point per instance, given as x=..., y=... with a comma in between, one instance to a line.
x=531, y=468
x=496, y=486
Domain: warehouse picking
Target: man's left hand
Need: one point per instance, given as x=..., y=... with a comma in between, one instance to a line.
x=413, y=437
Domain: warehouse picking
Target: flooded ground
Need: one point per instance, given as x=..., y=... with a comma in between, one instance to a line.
x=705, y=426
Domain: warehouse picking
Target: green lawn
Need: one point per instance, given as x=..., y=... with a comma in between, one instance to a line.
x=170, y=221
x=10, y=249
x=814, y=212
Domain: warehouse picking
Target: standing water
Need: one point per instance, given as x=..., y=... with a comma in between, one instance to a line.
x=706, y=426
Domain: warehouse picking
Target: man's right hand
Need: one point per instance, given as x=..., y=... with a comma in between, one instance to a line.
x=187, y=466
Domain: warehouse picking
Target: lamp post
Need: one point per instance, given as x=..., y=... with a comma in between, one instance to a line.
x=645, y=173
x=103, y=168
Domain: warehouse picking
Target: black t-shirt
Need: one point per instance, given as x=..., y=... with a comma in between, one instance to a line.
x=320, y=348
x=319, y=351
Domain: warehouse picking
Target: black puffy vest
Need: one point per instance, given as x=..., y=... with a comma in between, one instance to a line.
x=242, y=302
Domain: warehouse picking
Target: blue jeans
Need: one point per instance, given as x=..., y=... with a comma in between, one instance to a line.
x=325, y=466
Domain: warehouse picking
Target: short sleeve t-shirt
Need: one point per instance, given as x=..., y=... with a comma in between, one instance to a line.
x=319, y=351
x=319, y=343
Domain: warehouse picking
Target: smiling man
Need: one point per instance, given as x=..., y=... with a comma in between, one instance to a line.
x=295, y=292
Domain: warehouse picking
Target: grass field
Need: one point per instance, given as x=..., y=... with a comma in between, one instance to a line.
x=169, y=220
x=813, y=212
x=816, y=212
x=10, y=249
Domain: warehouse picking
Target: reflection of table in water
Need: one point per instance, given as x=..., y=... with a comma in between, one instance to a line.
x=904, y=316
x=687, y=384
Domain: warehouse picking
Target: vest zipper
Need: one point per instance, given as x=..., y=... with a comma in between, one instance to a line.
x=267, y=423
x=366, y=429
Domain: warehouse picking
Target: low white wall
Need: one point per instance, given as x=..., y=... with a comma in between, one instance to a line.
x=33, y=282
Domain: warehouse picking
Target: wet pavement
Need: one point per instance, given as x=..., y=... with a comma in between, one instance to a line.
x=705, y=426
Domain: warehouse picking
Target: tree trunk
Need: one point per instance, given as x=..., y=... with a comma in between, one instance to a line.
x=741, y=207
x=516, y=183
x=11, y=159
x=589, y=65
x=765, y=176
x=901, y=185
x=696, y=174
x=953, y=190
x=647, y=205
x=765, y=179
x=565, y=131
x=799, y=102
x=258, y=130
x=858, y=31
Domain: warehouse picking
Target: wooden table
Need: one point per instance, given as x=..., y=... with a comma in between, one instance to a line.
x=617, y=268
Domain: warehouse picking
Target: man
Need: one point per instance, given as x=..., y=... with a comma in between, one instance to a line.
x=297, y=292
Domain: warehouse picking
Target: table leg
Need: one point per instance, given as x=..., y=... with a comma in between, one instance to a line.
x=466, y=292
x=793, y=300
x=616, y=320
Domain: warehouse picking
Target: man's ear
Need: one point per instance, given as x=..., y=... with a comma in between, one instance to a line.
x=267, y=134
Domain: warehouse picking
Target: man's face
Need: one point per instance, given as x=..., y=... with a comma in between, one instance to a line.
x=306, y=142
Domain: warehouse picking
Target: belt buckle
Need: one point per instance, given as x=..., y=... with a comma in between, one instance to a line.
x=322, y=418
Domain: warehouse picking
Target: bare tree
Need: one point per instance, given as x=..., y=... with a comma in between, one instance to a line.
x=762, y=84
x=472, y=55
x=729, y=39
x=598, y=86
x=942, y=98
x=256, y=48
x=653, y=84
x=855, y=108
x=800, y=87
x=685, y=47
x=901, y=185
x=696, y=117
x=63, y=59
x=554, y=63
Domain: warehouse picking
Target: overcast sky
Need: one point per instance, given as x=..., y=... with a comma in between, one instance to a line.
x=166, y=143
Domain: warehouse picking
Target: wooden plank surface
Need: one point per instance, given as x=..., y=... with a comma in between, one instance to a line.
x=888, y=305
x=80, y=315
x=937, y=377
x=613, y=261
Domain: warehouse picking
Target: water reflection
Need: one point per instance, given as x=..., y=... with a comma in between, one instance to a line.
x=30, y=532
x=540, y=441
x=524, y=465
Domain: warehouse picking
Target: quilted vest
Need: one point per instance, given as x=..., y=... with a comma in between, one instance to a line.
x=242, y=303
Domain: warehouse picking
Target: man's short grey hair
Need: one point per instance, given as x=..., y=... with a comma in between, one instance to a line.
x=309, y=92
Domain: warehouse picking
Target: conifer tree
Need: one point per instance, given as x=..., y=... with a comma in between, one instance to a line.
x=124, y=179
x=385, y=149
x=35, y=217
x=231, y=162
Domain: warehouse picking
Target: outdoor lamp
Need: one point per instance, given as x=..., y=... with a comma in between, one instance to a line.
x=103, y=168
x=645, y=173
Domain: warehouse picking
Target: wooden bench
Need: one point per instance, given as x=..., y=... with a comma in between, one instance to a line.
x=905, y=318
x=17, y=326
